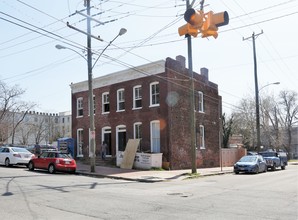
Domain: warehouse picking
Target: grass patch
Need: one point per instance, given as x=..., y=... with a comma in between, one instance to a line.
x=157, y=169
x=193, y=175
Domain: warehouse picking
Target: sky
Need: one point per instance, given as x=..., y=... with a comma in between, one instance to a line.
x=30, y=30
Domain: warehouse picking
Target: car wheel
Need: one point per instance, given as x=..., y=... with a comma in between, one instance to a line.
x=31, y=166
x=236, y=172
x=257, y=170
x=265, y=170
x=283, y=167
x=273, y=167
x=51, y=168
x=7, y=162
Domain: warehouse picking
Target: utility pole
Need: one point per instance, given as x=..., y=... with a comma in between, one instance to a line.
x=192, y=106
x=90, y=86
x=256, y=89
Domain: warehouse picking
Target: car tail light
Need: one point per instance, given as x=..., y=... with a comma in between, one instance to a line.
x=17, y=155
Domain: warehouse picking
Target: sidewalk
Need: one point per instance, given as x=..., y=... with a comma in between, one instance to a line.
x=147, y=175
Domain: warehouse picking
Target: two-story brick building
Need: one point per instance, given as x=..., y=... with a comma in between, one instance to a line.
x=151, y=102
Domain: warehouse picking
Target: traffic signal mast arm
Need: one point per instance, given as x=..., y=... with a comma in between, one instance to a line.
x=205, y=23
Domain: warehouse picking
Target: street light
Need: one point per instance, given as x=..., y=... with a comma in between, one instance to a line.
x=258, y=114
x=90, y=91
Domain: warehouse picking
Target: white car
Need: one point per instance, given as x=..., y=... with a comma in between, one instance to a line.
x=15, y=156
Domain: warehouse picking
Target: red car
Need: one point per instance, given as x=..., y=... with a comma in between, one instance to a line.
x=53, y=161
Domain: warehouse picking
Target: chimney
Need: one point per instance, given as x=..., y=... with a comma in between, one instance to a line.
x=204, y=72
x=181, y=60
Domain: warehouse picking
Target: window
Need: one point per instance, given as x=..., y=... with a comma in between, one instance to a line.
x=105, y=103
x=137, y=130
x=120, y=100
x=93, y=105
x=137, y=97
x=201, y=102
x=155, y=136
x=202, y=137
x=80, y=142
x=80, y=107
x=154, y=94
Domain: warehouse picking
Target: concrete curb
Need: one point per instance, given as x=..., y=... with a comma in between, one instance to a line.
x=158, y=179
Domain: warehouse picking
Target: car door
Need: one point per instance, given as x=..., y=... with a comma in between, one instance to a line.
x=2, y=155
x=262, y=163
x=40, y=161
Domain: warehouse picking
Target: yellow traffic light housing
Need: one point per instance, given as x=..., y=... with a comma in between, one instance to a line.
x=194, y=21
x=212, y=22
x=207, y=24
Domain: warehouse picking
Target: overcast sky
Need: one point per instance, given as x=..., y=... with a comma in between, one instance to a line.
x=31, y=29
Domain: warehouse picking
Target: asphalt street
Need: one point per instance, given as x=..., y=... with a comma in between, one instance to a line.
x=40, y=195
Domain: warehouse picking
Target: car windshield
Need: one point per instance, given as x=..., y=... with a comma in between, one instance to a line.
x=18, y=149
x=248, y=159
x=60, y=155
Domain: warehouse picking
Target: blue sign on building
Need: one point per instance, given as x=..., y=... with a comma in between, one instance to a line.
x=66, y=145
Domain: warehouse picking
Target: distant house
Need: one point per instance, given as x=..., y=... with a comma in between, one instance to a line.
x=37, y=127
x=151, y=102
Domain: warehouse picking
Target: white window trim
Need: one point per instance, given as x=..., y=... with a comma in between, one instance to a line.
x=151, y=104
x=134, y=129
x=202, y=137
x=118, y=91
x=103, y=102
x=134, y=97
x=151, y=135
x=201, y=101
x=78, y=100
x=105, y=130
x=79, y=152
x=119, y=128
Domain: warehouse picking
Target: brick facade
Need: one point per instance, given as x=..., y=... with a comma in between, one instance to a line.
x=173, y=112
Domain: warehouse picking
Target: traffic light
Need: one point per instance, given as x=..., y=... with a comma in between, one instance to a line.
x=205, y=23
x=212, y=22
x=194, y=19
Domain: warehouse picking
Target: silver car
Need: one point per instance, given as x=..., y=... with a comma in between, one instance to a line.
x=15, y=156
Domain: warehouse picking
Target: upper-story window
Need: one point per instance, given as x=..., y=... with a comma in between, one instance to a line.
x=80, y=107
x=93, y=105
x=105, y=102
x=120, y=100
x=154, y=94
x=137, y=97
x=201, y=102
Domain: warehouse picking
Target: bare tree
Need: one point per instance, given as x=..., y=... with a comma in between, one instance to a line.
x=244, y=122
x=288, y=114
x=12, y=110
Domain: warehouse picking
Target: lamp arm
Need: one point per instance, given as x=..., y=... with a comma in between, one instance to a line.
x=104, y=50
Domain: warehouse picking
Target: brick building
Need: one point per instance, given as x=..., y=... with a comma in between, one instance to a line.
x=151, y=102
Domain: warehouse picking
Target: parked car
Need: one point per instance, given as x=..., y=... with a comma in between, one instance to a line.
x=15, y=156
x=250, y=164
x=275, y=159
x=53, y=161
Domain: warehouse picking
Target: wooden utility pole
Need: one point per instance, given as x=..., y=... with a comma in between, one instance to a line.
x=256, y=89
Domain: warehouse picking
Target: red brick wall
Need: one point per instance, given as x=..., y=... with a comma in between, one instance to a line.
x=173, y=114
